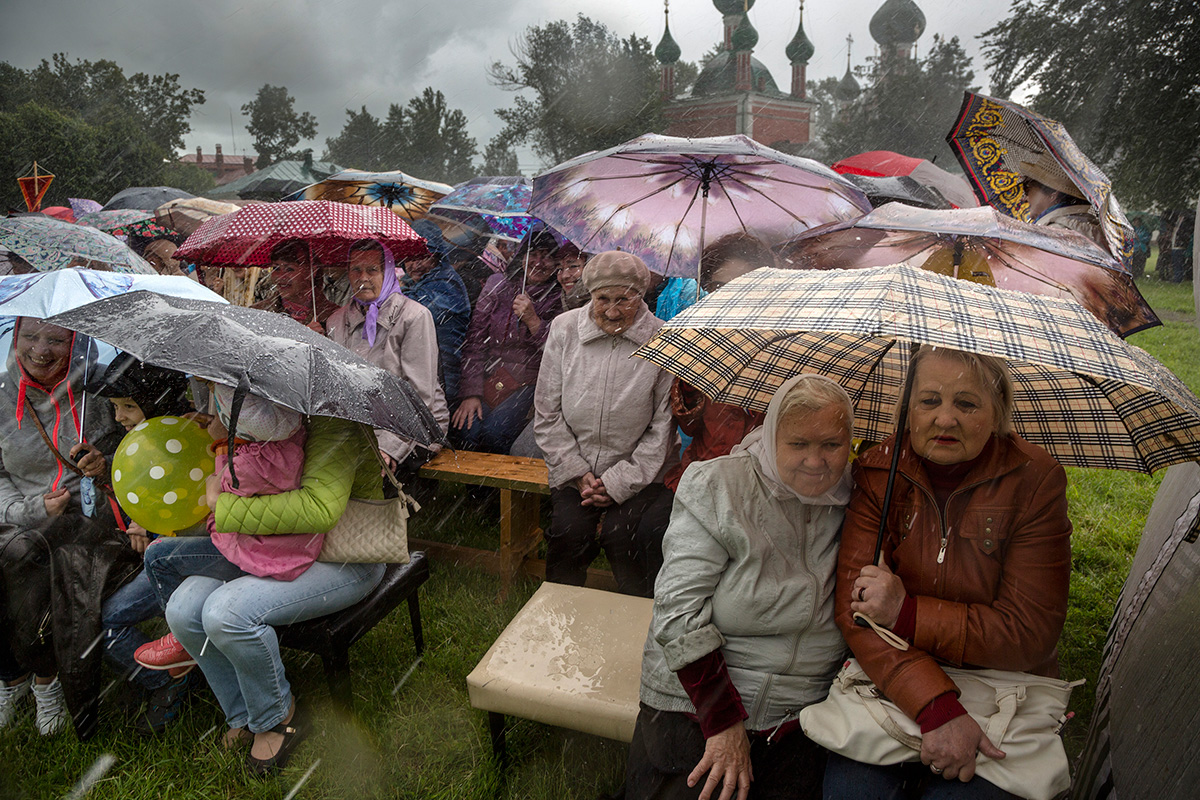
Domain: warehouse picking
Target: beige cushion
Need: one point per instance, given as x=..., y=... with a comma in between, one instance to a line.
x=572, y=657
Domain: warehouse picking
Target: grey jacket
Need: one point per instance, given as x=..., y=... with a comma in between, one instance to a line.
x=753, y=575
x=405, y=345
x=28, y=469
x=599, y=410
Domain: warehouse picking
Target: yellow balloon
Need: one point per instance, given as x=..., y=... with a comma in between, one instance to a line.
x=159, y=473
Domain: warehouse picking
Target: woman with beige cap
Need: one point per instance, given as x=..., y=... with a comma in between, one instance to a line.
x=603, y=421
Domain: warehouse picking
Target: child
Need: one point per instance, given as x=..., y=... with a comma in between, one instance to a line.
x=268, y=458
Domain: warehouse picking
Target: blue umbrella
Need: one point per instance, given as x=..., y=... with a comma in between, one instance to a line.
x=44, y=294
x=489, y=206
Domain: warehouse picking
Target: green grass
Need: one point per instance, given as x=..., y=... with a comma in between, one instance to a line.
x=419, y=738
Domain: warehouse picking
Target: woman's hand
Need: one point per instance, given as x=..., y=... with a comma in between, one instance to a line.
x=878, y=593
x=727, y=761
x=318, y=327
x=950, y=750
x=138, y=538
x=683, y=412
x=199, y=417
x=212, y=490
x=592, y=490
x=391, y=463
x=56, y=502
x=90, y=460
x=470, y=409
x=523, y=309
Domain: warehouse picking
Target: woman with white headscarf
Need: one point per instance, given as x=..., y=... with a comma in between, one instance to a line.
x=743, y=633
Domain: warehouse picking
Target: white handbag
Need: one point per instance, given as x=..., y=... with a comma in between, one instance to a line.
x=370, y=532
x=1020, y=713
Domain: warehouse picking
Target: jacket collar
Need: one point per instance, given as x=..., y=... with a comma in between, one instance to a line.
x=389, y=311
x=639, y=332
x=1008, y=454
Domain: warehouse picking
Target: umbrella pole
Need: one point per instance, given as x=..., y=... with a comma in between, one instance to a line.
x=703, y=221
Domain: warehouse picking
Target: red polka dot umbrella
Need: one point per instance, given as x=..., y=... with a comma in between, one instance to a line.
x=244, y=238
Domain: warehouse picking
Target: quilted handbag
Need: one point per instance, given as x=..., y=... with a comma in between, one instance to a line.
x=1020, y=713
x=370, y=532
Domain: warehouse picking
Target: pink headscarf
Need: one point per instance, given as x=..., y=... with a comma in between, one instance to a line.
x=391, y=286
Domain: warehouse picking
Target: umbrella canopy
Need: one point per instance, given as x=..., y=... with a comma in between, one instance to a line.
x=1085, y=395
x=901, y=189
x=126, y=222
x=81, y=205
x=885, y=164
x=489, y=207
x=45, y=294
x=403, y=194
x=49, y=244
x=245, y=237
x=662, y=197
x=186, y=214
x=146, y=198
x=272, y=355
x=985, y=246
x=275, y=182
x=999, y=143
x=60, y=212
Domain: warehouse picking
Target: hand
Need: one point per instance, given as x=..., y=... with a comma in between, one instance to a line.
x=523, y=309
x=318, y=327
x=216, y=430
x=727, y=761
x=138, y=539
x=199, y=417
x=56, y=502
x=684, y=411
x=92, y=461
x=595, y=493
x=391, y=463
x=469, y=409
x=882, y=594
x=212, y=490
x=952, y=747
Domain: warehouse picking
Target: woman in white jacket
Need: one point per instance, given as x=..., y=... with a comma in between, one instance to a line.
x=743, y=634
x=602, y=420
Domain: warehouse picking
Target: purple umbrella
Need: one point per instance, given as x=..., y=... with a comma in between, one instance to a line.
x=663, y=197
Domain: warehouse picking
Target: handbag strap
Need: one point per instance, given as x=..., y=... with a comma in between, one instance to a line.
x=66, y=462
x=879, y=712
x=889, y=637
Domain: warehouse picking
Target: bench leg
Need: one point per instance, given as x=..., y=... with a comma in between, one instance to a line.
x=496, y=727
x=414, y=616
x=519, y=532
x=337, y=675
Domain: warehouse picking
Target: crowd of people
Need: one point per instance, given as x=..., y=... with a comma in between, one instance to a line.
x=755, y=539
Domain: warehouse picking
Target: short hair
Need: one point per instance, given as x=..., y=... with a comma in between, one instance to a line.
x=745, y=246
x=991, y=372
x=294, y=250
x=814, y=392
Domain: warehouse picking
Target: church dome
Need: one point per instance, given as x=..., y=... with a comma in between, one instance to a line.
x=668, y=51
x=847, y=88
x=719, y=76
x=897, y=22
x=744, y=36
x=800, y=49
x=730, y=7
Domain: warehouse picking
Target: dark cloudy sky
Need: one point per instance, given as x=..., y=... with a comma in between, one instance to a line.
x=338, y=54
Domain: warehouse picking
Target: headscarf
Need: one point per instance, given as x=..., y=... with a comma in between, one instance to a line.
x=760, y=443
x=260, y=420
x=391, y=286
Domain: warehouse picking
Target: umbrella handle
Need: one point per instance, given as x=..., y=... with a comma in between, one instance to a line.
x=235, y=410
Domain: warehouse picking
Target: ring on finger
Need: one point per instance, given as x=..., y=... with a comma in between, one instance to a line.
x=936, y=770
x=862, y=593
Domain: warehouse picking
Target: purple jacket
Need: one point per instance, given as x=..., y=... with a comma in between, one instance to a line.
x=496, y=338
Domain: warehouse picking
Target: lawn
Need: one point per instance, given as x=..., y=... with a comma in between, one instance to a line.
x=414, y=734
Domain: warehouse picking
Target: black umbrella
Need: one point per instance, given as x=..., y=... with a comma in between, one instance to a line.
x=145, y=198
x=269, y=355
x=900, y=188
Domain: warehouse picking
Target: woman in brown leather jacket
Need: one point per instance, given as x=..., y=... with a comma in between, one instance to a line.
x=974, y=569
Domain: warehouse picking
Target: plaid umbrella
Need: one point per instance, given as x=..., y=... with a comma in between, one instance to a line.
x=403, y=194
x=53, y=244
x=1081, y=392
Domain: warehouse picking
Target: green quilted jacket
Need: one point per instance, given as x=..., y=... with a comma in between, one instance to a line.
x=338, y=464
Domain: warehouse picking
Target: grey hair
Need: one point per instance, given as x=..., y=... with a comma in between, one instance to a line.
x=991, y=372
x=813, y=393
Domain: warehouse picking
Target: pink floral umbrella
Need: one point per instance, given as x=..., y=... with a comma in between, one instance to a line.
x=663, y=197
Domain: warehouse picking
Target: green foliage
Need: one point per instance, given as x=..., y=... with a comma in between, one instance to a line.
x=499, y=158
x=275, y=125
x=590, y=89
x=1124, y=78
x=906, y=105
x=361, y=144
x=187, y=177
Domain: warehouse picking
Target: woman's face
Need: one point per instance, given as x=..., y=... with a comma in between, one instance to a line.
x=418, y=268
x=570, y=268
x=614, y=308
x=812, y=449
x=542, y=266
x=43, y=351
x=366, y=274
x=292, y=278
x=126, y=412
x=952, y=415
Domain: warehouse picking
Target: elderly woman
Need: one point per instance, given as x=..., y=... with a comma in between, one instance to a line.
x=743, y=634
x=395, y=333
x=974, y=570
x=602, y=421
x=297, y=286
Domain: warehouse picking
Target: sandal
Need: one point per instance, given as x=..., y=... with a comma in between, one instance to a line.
x=294, y=733
x=236, y=738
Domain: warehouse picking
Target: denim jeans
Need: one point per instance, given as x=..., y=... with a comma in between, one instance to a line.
x=134, y=602
x=169, y=560
x=852, y=780
x=500, y=426
x=227, y=627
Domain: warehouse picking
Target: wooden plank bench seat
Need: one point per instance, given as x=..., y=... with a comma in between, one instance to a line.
x=522, y=482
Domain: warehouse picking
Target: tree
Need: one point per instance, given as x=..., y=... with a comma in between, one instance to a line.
x=500, y=158
x=275, y=125
x=907, y=106
x=1124, y=78
x=591, y=89
x=362, y=144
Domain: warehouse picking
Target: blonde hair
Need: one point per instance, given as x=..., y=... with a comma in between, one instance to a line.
x=814, y=392
x=991, y=372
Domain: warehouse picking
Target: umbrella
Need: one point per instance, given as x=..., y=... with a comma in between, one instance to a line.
x=489, y=207
x=405, y=195
x=663, y=197
x=186, y=214
x=126, y=222
x=59, y=212
x=985, y=246
x=885, y=164
x=146, y=198
x=81, y=205
x=44, y=294
x=245, y=237
x=49, y=244
x=267, y=354
x=1081, y=392
x=901, y=189
x=996, y=141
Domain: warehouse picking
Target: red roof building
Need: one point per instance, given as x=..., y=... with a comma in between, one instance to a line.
x=223, y=170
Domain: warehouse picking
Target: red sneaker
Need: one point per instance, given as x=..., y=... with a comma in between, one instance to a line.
x=166, y=653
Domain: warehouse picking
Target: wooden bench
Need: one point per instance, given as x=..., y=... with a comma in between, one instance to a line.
x=522, y=482
x=571, y=657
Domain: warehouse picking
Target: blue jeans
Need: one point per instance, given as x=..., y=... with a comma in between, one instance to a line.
x=227, y=628
x=500, y=426
x=134, y=602
x=852, y=780
x=169, y=560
